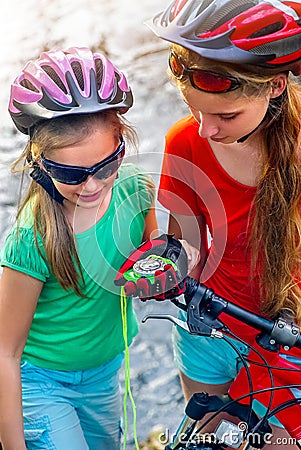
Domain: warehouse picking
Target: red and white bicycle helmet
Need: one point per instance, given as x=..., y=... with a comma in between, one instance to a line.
x=71, y=81
x=263, y=33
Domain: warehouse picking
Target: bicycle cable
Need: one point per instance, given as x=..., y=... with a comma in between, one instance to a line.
x=252, y=392
x=279, y=408
x=224, y=408
x=266, y=365
x=284, y=369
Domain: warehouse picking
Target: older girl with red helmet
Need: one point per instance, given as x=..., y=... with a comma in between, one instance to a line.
x=60, y=313
x=231, y=175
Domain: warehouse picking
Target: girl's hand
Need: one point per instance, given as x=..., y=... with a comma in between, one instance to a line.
x=161, y=282
x=193, y=255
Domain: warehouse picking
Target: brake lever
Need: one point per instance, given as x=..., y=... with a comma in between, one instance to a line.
x=205, y=332
x=169, y=317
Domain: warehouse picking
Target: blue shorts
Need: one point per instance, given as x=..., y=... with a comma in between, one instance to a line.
x=212, y=361
x=72, y=410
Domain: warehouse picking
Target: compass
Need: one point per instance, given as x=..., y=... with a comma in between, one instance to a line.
x=146, y=268
x=149, y=266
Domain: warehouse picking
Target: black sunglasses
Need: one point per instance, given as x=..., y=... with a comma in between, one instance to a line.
x=203, y=80
x=66, y=174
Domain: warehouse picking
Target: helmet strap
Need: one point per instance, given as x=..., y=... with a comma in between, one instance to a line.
x=272, y=113
x=244, y=138
x=44, y=180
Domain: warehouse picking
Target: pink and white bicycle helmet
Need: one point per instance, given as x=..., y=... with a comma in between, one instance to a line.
x=71, y=81
x=263, y=33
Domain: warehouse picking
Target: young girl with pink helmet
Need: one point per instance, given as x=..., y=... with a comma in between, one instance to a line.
x=60, y=313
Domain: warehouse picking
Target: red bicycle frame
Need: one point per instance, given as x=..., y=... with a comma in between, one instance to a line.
x=284, y=373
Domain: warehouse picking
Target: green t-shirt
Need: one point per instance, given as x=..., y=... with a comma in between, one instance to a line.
x=69, y=332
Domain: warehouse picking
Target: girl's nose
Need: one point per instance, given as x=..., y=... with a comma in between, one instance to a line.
x=207, y=126
x=91, y=183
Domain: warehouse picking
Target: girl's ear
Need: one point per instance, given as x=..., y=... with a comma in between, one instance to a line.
x=278, y=84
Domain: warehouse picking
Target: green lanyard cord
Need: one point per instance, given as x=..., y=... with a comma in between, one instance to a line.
x=127, y=375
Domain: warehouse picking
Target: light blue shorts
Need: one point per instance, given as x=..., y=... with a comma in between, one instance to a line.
x=212, y=361
x=72, y=410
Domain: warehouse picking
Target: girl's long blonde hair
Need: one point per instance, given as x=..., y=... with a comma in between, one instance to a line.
x=275, y=217
x=50, y=222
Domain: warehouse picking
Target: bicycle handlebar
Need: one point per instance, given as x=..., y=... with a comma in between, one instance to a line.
x=204, y=308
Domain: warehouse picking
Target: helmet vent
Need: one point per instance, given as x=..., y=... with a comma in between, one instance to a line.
x=78, y=72
x=28, y=85
x=99, y=72
x=279, y=48
x=229, y=11
x=270, y=29
x=54, y=77
x=195, y=10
